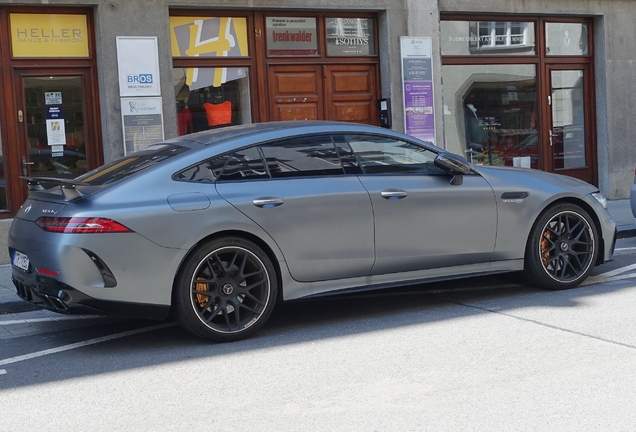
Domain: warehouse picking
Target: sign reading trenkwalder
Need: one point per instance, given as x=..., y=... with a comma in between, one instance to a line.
x=292, y=36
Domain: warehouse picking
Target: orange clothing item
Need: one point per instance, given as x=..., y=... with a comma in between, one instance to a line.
x=218, y=114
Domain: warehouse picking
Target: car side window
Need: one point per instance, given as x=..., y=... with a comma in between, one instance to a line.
x=206, y=171
x=300, y=157
x=245, y=164
x=387, y=155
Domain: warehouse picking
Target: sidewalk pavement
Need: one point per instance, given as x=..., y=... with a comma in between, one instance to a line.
x=10, y=303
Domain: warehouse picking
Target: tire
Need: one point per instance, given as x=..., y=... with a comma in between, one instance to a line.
x=225, y=291
x=562, y=248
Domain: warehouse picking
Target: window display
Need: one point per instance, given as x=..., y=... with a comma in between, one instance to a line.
x=492, y=113
x=202, y=105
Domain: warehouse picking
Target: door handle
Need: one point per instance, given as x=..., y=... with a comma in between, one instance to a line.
x=393, y=194
x=24, y=166
x=268, y=202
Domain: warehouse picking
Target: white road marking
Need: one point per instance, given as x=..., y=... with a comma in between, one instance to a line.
x=624, y=249
x=613, y=275
x=82, y=344
x=3, y=371
x=617, y=271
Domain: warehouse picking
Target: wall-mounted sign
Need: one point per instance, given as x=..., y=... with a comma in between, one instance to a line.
x=49, y=35
x=291, y=36
x=208, y=36
x=350, y=36
x=142, y=119
x=138, y=65
x=417, y=87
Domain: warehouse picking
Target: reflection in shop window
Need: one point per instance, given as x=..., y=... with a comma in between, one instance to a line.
x=491, y=113
x=349, y=36
x=566, y=39
x=487, y=37
x=209, y=98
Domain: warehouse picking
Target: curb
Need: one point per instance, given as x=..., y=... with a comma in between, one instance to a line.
x=625, y=231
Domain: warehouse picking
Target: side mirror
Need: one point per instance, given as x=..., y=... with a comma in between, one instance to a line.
x=455, y=165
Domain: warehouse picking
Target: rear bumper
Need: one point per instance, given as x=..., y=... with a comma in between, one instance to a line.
x=56, y=296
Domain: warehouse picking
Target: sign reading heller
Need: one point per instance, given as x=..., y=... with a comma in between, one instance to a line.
x=143, y=122
x=417, y=87
x=138, y=66
x=49, y=35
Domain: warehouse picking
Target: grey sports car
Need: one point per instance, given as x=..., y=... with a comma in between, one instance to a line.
x=216, y=227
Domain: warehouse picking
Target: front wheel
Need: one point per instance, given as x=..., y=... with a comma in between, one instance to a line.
x=225, y=291
x=562, y=248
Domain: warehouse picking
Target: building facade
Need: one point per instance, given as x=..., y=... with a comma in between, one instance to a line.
x=543, y=85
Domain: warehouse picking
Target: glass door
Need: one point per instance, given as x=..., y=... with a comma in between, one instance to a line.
x=54, y=119
x=569, y=135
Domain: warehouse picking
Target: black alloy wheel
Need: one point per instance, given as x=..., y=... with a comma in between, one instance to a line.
x=562, y=248
x=226, y=290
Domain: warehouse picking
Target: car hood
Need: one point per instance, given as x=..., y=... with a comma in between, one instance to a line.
x=505, y=177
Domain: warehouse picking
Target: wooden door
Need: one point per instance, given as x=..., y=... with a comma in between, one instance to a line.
x=350, y=93
x=296, y=92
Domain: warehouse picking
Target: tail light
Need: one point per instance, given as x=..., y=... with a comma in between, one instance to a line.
x=78, y=225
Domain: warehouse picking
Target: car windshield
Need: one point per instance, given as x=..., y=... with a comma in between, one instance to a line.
x=131, y=164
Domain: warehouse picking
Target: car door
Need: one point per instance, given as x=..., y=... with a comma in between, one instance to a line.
x=422, y=221
x=319, y=216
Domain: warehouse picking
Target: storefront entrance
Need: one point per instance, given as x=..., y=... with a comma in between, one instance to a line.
x=348, y=93
x=519, y=92
x=50, y=111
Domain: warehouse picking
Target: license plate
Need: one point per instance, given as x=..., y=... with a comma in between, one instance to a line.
x=20, y=260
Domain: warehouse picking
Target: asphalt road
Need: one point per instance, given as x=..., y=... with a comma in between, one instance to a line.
x=484, y=354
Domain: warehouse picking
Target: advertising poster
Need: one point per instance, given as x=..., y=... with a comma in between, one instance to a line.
x=55, y=129
x=209, y=37
x=138, y=66
x=142, y=119
x=417, y=87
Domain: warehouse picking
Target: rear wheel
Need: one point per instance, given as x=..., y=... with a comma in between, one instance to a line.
x=562, y=248
x=226, y=290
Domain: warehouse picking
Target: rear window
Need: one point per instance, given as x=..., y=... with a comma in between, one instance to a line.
x=132, y=164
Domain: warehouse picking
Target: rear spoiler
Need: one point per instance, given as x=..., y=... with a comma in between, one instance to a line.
x=68, y=186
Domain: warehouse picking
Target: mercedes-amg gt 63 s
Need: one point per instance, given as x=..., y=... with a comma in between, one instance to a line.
x=216, y=227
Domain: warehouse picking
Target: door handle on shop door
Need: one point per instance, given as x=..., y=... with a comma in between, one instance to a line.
x=24, y=165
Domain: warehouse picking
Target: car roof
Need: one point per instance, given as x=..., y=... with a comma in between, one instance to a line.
x=281, y=128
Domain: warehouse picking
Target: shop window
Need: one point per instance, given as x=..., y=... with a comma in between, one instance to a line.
x=566, y=39
x=209, y=98
x=491, y=113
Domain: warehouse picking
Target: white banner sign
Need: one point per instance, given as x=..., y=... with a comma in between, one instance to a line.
x=138, y=66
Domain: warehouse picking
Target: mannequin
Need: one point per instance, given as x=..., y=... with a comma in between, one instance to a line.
x=218, y=110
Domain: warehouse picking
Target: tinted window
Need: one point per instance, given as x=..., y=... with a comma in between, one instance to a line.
x=347, y=157
x=245, y=164
x=132, y=164
x=206, y=171
x=307, y=156
x=385, y=155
